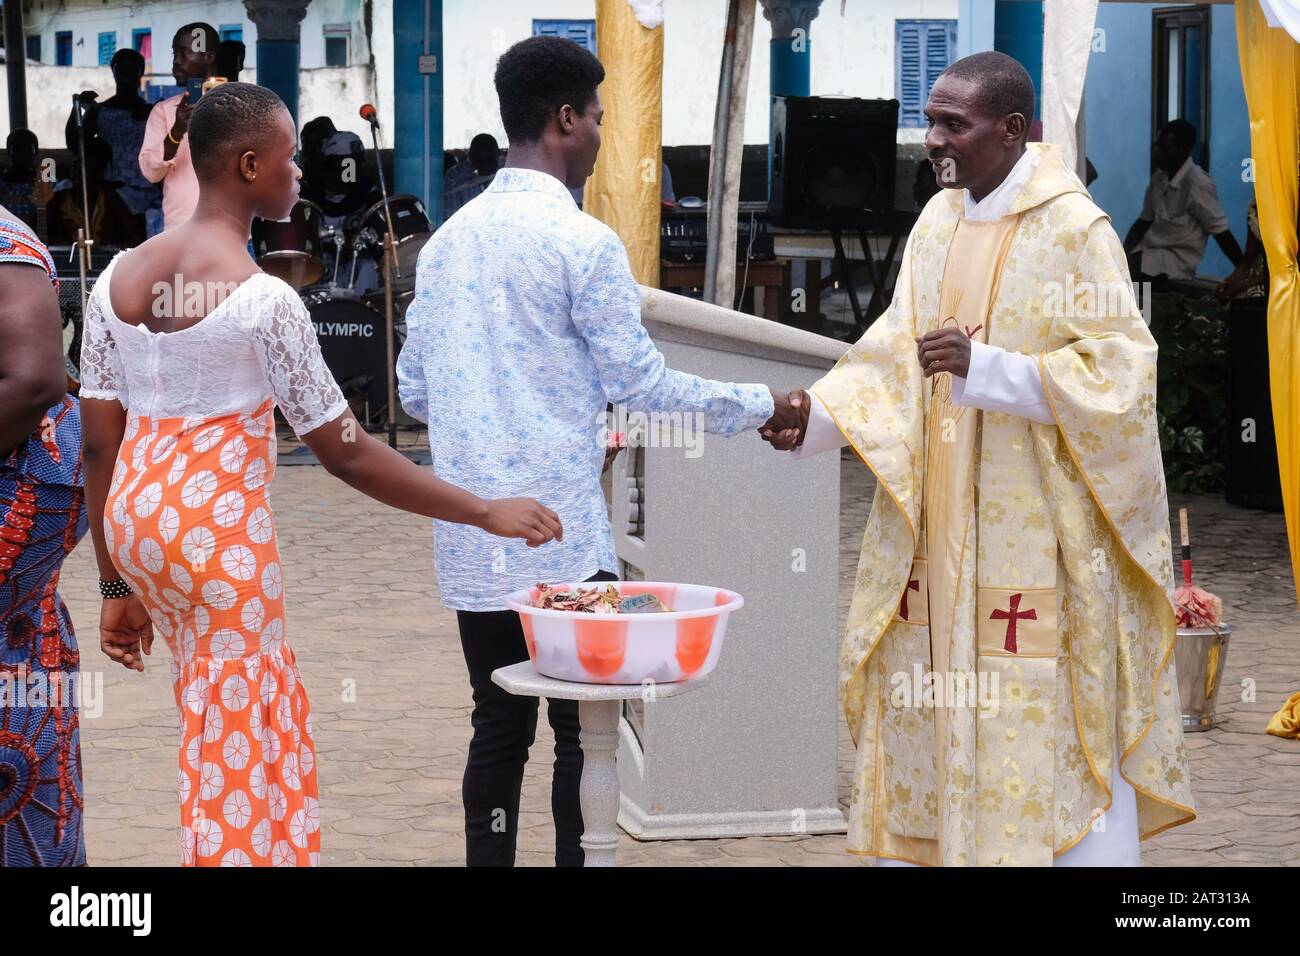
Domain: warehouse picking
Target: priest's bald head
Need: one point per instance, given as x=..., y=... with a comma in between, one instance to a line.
x=979, y=113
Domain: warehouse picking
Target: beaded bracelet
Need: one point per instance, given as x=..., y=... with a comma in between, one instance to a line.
x=114, y=589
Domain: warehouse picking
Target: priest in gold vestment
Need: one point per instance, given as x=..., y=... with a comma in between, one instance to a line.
x=1007, y=671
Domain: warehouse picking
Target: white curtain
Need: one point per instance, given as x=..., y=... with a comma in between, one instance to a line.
x=1284, y=14
x=1067, y=41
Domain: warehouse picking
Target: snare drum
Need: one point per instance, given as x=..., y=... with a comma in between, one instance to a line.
x=291, y=250
x=411, y=230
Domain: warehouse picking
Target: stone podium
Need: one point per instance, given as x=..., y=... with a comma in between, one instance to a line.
x=755, y=752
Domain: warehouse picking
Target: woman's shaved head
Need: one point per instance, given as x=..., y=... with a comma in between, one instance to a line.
x=243, y=142
x=229, y=120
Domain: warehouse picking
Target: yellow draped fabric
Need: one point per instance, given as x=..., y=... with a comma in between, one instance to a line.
x=624, y=190
x=1286, y=722
x=1270, y=73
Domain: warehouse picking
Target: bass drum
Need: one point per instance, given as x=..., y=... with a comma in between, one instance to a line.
x=411, y=230
x=351, y=336
x=291, y=250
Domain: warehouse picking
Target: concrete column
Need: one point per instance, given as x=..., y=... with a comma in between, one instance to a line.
x=791, y=46
x=279, y=25
x=791, y=55
x=416, y=126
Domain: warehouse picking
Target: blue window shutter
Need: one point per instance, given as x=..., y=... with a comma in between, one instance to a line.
x=937, y=56
x=107, y=47
x=582, y=32
x=922, y=50
x=908, y=72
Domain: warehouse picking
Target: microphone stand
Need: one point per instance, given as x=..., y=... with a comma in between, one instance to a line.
x=390, y=270
x=84, y=240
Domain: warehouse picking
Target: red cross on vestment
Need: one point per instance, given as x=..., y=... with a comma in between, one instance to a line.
x=1011, y=617
x=912, y=585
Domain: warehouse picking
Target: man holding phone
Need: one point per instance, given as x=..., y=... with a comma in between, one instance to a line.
x=165, y=153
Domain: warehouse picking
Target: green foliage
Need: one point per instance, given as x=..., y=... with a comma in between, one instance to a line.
x=1192, y=390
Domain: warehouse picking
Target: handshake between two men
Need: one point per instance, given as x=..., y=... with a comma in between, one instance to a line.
x=941, y=350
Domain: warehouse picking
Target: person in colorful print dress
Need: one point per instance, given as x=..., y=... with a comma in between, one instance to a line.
x=42, y=517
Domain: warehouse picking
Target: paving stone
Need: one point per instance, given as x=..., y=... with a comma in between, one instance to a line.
x=382, y=663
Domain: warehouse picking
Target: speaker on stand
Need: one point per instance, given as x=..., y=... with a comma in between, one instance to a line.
x=833, y=168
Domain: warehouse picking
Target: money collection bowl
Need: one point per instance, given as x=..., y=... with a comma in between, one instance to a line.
x=658, y=646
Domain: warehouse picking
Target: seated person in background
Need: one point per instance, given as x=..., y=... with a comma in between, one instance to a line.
x=924, y=186
x=1250, y=279
x=311, y=154
x=230, y=59
x=111, y=223
x=1180, y=209
x=22, y=189
x=119, y=122
x=471, y=175
x=349, y=189
x=345, y=191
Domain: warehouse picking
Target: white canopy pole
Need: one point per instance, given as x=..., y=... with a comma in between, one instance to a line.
x=725, y=154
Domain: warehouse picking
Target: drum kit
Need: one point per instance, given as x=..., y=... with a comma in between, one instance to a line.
x=310, y=252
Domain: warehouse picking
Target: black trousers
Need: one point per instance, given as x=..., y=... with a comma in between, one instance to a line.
x=504, y=728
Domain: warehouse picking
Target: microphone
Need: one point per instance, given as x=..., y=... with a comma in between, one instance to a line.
x=369, y=114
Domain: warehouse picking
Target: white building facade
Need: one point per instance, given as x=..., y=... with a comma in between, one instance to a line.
x=346, y=56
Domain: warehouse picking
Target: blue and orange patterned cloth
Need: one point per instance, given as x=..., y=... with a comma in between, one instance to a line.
x=42, y=517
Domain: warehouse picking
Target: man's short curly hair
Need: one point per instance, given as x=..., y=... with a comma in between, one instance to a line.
x=191, y=31
x=231, y=118
x=537, y=76
x=1003, y=85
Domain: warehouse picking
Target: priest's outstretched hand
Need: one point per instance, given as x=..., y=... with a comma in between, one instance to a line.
x=789, y=422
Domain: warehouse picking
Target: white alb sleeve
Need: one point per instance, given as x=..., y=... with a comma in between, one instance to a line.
x=1002, y=381
x=823, y=434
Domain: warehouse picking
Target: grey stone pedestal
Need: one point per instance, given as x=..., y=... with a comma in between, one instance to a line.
x=599, y=706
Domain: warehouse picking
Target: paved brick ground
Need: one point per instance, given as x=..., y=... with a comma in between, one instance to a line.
x=382, y=661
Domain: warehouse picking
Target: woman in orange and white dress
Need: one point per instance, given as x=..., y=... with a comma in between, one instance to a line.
x=186, y=350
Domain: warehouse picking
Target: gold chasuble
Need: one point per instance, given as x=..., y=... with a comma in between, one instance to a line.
x=1012, y=621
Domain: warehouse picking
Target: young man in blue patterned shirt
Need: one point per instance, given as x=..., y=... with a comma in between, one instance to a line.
x=526, y=322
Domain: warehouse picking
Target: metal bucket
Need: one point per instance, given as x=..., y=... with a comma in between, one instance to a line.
x=1200, y=654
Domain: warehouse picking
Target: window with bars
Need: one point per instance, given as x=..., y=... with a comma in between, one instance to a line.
x=580, y=31
x=338, y=40
x=1181, y=73
x=922, y=50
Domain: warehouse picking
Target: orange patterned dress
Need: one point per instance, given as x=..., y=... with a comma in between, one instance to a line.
x=190, y=528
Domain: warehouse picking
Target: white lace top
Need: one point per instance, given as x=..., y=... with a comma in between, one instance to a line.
x=257, y=343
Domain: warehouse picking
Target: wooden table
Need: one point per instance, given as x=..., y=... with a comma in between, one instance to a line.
x=758, y=274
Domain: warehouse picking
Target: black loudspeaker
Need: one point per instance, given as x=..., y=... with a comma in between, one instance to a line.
x=1253, y=477
x=832, y=160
